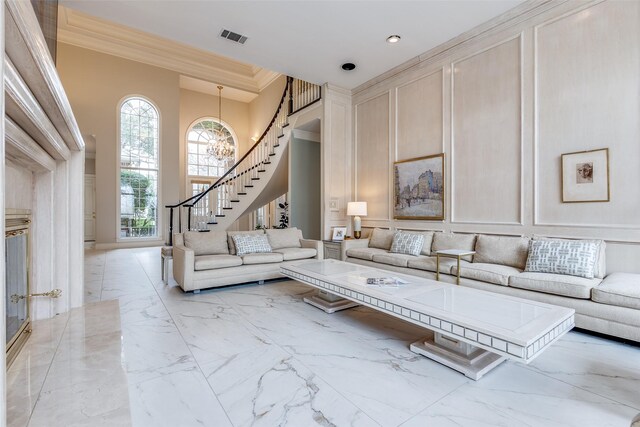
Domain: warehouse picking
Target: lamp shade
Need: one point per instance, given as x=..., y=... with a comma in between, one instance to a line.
x=357, y=208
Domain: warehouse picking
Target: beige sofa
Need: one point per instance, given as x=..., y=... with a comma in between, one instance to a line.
x=608, y=305
x=209, y=259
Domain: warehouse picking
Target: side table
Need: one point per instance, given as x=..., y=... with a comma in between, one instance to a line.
x=322, y=299
x=451, y=253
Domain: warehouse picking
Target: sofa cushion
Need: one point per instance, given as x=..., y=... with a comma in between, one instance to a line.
x=504, y=250
x=209, y=243
x=429, y=264
x=210, y=262
x=600, y=269
x=365, y=253
x=443, y=241
x=490, y=273
x=296, y=253
x=230, y=234
x=381, y=239
x=571, y=257
x=557, y=284
x=262, y=258
x=251, y=244
x=284, y=237
x=407, y=243
x=621, y=289
x=398, y=260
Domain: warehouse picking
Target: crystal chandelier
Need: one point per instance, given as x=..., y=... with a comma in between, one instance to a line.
x=219, y=146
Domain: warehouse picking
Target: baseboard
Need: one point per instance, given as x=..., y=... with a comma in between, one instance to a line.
x=90, y=245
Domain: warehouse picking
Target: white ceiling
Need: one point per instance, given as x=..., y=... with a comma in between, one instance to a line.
x=305, y=39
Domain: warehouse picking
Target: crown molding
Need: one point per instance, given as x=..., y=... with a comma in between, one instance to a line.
x=506, y=20
x=86, y=31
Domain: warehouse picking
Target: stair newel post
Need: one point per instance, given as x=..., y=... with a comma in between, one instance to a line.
x=171, y=227
x=189, y=219
x=290, y=84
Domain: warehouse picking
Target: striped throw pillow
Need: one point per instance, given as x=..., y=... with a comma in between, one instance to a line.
x=571, y=257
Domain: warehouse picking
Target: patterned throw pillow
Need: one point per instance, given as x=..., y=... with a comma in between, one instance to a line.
x=407, y=243
x=574, y=258
x=251, y=244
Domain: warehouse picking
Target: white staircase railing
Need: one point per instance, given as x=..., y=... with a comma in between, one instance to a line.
x=218, y=201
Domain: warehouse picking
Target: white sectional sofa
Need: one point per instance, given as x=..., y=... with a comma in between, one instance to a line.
x=608, y=305
x=208, y=259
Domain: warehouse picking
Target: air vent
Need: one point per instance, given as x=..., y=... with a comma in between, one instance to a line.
x=234, y=37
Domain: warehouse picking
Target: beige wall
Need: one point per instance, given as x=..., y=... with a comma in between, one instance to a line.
x=263, y=107
x=95, y=84
x=504, y=107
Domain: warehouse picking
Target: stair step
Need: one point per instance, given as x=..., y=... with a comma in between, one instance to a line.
x=285, y=125
x=262, y=170
x=276, y=145
x=255, y=179
x=227, y=209
x=236, y=201
x=248, y=186
x=279, y=136
x=220, y=216
x=272, y=154
x=240, y=194
x=267, y=163
x=211, y=223
x=204, y=231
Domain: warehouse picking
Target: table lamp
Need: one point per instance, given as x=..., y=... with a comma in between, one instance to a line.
x=357, y=209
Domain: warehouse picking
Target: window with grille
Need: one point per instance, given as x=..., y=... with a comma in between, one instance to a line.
x=199, y=162
x=139, y=168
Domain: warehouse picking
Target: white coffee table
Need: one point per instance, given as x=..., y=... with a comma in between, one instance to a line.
x=475, y=330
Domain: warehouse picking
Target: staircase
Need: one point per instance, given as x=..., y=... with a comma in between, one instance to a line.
x=257, y=178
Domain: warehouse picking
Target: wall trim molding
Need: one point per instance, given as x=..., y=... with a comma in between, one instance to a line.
x=452, y=187
x=22, y=149
x=88, y=32
x=510, y=18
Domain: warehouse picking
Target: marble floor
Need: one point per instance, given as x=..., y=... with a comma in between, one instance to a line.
x=141, y=353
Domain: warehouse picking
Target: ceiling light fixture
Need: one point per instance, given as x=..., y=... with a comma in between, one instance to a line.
x=393, y=39
x=348, y=66
x=219, y=147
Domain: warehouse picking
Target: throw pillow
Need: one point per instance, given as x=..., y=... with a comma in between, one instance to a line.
x=284, y=238
x=444, y=241
x=503, y=250
x=251, y=244
x=600, y=269
x=207, y=243
x=381, y=239
x=230, y=234
x=574, y=258
x=407, y=243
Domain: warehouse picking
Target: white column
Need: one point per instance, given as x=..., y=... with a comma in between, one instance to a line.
x=75, y=168
x=3, y=320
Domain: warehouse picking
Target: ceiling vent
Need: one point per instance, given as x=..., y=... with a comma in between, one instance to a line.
x=234, y=37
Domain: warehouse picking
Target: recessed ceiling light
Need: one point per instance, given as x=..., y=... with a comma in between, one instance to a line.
x=393, y=39
x=348, y=66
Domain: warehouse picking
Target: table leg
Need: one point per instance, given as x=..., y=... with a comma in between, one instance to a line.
x=458, y=271
x=437, y=266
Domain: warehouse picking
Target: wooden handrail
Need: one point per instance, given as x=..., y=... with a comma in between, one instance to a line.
x=258, y=142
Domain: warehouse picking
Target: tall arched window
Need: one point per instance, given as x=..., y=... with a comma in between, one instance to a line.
x=139, y=168
x=203, y=169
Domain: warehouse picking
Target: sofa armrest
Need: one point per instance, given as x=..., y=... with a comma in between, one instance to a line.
x=351, y=244
x=314, y=244
x=183, y=265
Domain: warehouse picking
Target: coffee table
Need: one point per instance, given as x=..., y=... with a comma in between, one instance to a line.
x=475, y=330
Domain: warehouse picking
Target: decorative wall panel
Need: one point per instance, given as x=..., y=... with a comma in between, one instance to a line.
x=486, y=152
x=587, y=97
x=419, y=130
x=372, y=155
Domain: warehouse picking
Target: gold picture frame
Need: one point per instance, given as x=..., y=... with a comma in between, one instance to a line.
x=419, y=188
x=585, y=176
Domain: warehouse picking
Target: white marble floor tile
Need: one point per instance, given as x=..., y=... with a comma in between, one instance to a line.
x=267, y=387
x=514, y=395
x=181, y=398
x=594, y=364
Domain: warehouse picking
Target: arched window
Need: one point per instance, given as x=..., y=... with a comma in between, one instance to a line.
x=200, y=162
x=139, y=168
x=203, y=168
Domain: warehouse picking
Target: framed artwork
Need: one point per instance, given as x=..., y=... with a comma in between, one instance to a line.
x=419, y=188
x=585, y=176
x=338, y=234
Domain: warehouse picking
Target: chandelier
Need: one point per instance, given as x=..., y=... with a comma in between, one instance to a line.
x=219, y=146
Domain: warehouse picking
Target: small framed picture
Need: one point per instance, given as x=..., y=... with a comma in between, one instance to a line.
x=585, y=176
x=339, y=234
